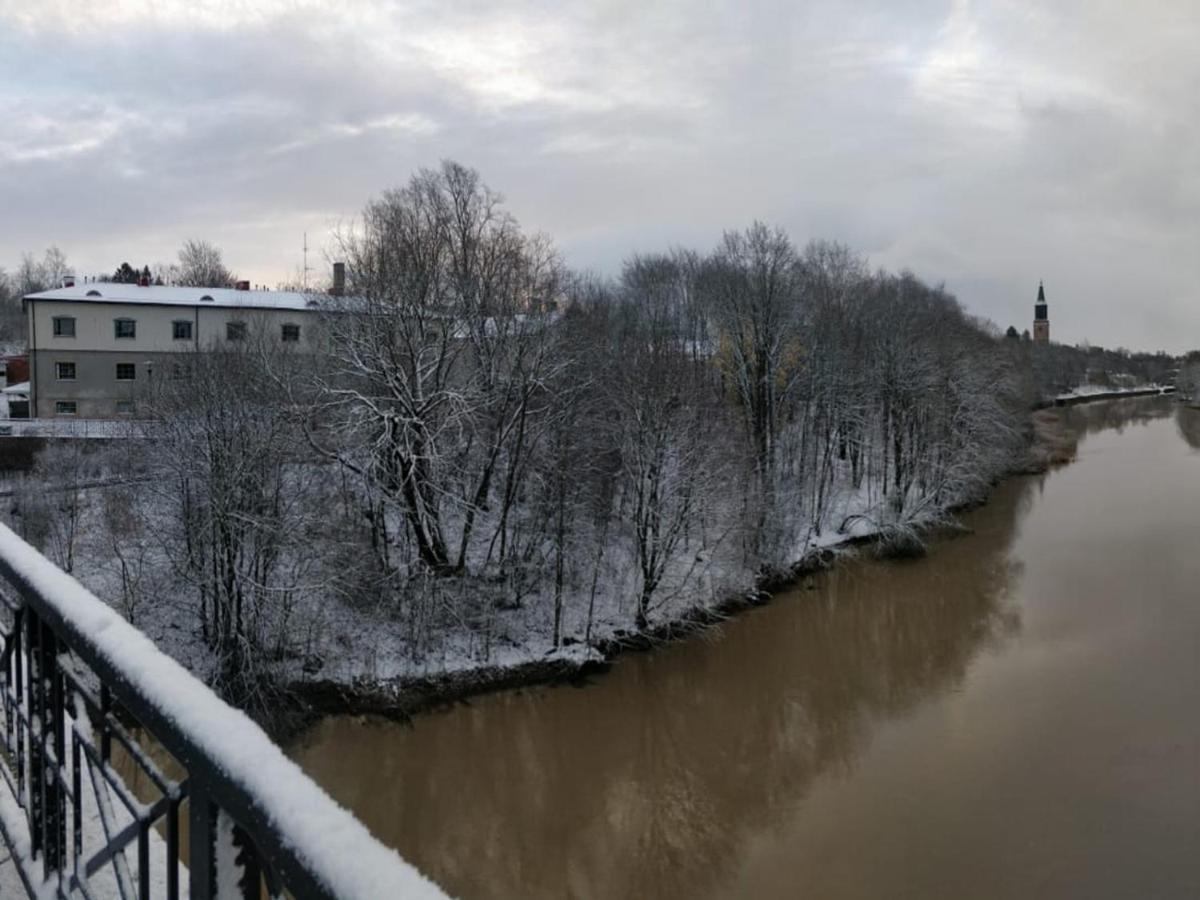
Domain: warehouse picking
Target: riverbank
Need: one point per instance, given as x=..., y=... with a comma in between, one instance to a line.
x=841, y=743
x=1076, y=397
x=400, y=698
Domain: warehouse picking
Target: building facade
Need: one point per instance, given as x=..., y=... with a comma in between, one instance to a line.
x=92, y=347
x=1041, y=317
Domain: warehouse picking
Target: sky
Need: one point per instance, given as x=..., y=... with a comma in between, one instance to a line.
x=985, y=145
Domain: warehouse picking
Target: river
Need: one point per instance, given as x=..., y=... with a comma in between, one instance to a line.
x=1015, y=715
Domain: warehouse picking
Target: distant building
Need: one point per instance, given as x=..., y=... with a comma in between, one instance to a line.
x=14, y=398
x=15, y=368
x=92, y=345
x=1041, y=318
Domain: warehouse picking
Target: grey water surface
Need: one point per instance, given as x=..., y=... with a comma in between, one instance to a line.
x=1016, y=715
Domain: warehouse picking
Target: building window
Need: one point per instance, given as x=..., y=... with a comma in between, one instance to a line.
x=291, y=332
x=126, y=371
x=65, y=407
x=125, y=328
x=235, y=331
x=125, y=407
x=64, y=326
x=181, y=330
x=64, y=371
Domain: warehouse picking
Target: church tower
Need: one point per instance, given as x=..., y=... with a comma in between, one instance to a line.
x=1041, y=321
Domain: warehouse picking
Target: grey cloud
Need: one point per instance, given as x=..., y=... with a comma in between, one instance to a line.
x=984, y=144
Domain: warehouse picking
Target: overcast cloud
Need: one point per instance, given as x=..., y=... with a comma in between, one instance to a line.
x=984, y=144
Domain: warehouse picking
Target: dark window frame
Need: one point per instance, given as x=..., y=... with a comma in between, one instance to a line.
x=58, y=322
x=60, y=408
x=181, y=325
x=235, y=331
x=124, y=320
x=129, y=367
x=132, y=408
x=292, y=329
x=58, y=376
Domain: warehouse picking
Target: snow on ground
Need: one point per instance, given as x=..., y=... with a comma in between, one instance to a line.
x=1088, y=390
x=338, y=631
x=357, y=640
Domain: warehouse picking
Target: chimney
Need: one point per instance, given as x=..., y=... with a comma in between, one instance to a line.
x=143, y=281
x=339, y=279
x=68, y=281
x=242, y=286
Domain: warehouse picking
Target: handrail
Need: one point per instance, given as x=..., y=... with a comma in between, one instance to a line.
x=298, y=837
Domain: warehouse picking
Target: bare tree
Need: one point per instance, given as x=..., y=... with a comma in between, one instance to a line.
x=33, y=275
x=126, y=539
x=438, y=353
x=12, y=321
x=664, y=459
x=244, y=509
x=65, y=470
x=200, y=265
x=753, y=291
x=53, y=267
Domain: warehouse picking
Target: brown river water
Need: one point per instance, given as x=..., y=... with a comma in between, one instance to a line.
x=1015, y=715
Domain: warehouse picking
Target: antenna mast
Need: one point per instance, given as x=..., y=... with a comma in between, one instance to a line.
x=305, y=274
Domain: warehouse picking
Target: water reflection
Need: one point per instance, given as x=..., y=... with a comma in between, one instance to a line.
x=1187, y=421
x=1115, y=415
x=653, y=780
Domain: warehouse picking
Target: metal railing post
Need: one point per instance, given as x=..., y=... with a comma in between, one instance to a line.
x=247, y=858
x=37, y=757
x=202, y=850
x=56, y=723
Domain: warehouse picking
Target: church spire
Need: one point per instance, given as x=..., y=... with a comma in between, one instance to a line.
x=1041, y=318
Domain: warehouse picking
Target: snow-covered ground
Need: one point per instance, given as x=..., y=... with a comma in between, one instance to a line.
x=464, y=625
x=332, y=613
x=1090, y=390
x=10, y=881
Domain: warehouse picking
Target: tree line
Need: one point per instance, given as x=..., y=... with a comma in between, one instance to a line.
x=483, y=449
x=199, y=264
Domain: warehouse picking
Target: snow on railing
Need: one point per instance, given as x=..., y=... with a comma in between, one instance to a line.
x=73, y=674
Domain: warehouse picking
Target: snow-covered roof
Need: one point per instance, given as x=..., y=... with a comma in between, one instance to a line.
x=158, y=295
x=21, y=387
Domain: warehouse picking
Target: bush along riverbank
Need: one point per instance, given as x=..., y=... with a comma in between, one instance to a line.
x=1052, y=442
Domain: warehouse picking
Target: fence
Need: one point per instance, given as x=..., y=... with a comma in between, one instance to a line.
x=76, y=680
x=104, y=429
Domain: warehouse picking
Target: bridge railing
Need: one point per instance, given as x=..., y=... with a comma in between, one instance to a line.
x=74, y=678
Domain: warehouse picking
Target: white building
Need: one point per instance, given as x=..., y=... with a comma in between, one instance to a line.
x=91, y=345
